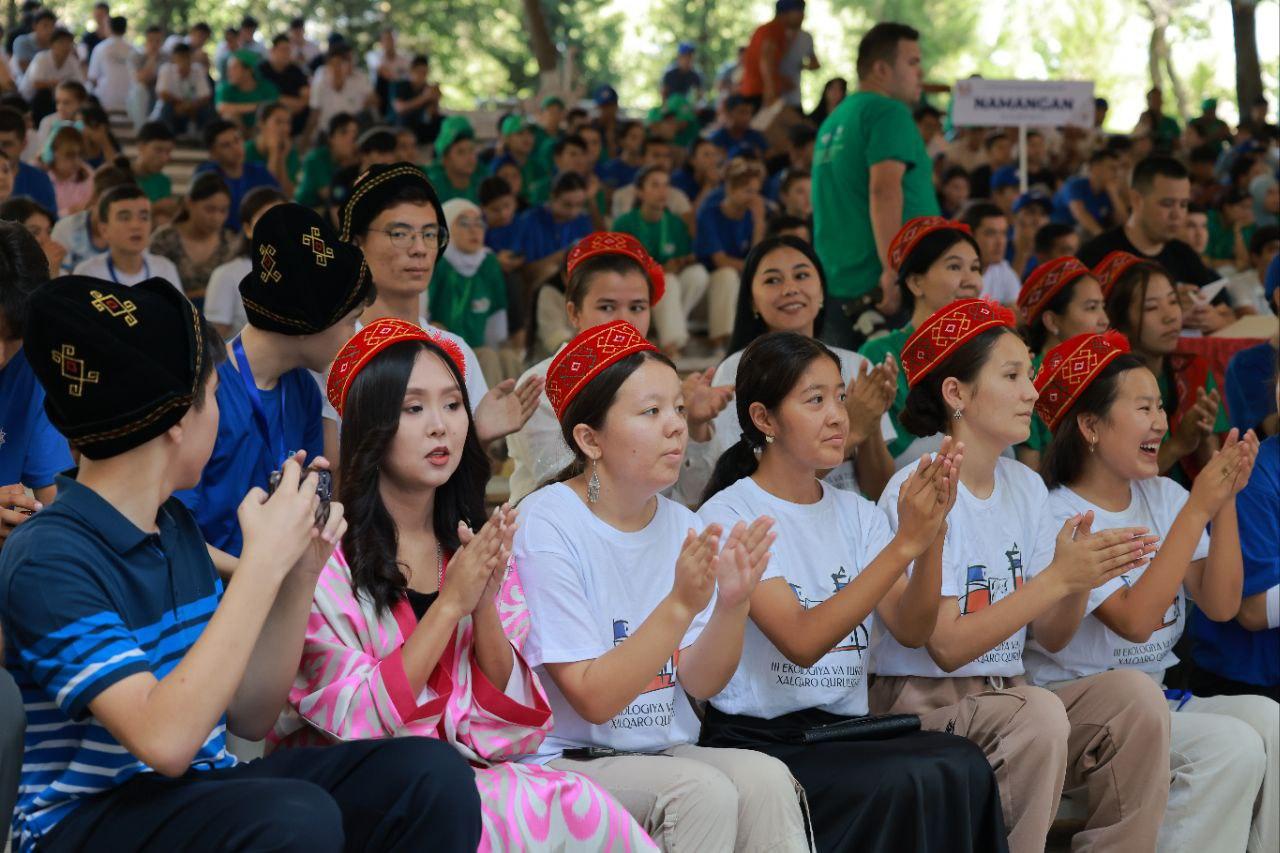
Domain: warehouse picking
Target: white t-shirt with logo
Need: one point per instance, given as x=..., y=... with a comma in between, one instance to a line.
x=1095, y=648
x=992, y=546
x=820, y=548
x=728, y=430
x=588, y=587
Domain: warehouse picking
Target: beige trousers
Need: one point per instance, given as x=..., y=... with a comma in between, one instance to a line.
x=685, y=289
x=722, y=302
x=1107, y=733
x=701, y=800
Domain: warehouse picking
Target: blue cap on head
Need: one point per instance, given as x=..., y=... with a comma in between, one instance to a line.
x=685, y=48
x=605, y=94
x=1005, y=176
x=1272, y=281
x=1033, y=197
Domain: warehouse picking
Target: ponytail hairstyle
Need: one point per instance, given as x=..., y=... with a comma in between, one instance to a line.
x=591, y=405
x=371, y=419
x=1131, y=289
x=768, y=372
x=1062, y=462
x=925, y=412
x=925, y=254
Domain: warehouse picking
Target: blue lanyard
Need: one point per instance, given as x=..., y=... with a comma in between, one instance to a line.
x=1182, y=697
x=111, y=268
x=275, y=443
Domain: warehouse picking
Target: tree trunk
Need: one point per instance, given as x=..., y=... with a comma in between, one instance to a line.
x=544, y=50
x=1244, y=25
x=1179, y=90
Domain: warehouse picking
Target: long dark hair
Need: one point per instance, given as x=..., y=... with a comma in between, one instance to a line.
x=925, y=254
x=1037, y=334
x=747, y=323
x=369, y=425
x=925, y=412
x=769, y=370
x=592, y=404
x=1063, y=460
x=1129, y=290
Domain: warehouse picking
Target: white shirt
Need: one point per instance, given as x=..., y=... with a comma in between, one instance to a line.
x=729, y=430
x=43, y=68
x=1001, y=283
x=538, y=451
x=153, y=266
x=328, y=101
x=1095, y=648
x=852, y=531
x=304, y=52
x=193, y=87
x=398, y=65
x=222, y=302
x=111, y=72
x=985, y=557
x=589, y=586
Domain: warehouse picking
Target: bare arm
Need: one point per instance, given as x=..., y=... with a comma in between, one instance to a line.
x=885, y=189
x=1253, y=612
x=1090, y=226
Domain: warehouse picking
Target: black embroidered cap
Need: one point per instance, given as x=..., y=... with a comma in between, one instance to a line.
x=380, y=185
x=118, y=364
x=304, y=279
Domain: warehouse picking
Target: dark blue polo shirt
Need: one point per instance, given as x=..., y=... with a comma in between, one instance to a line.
x=31, y=450
x=88, y=599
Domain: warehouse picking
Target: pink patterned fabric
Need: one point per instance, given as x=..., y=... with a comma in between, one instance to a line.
x=351, y=685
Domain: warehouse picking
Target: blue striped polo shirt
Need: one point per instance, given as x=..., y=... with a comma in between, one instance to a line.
x=88, y=599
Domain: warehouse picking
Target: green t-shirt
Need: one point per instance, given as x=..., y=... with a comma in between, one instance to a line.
x=261, y=93
x=1222, y=238
x=665, y=239
x=865, y=129
x=291, y=162
x=1040, y=432
x=156, y=186
x=874, y=351
x=1169, y=396
x=445, y=190
x=317, y=176
x=464, y=305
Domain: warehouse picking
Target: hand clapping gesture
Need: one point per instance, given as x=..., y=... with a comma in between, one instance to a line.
x=1226, y=474
x=479, y=557
x=742, y=560
x=506, y=408
x=868, y=397
x=1084, y=560
x=695, y=579
x=928, y=495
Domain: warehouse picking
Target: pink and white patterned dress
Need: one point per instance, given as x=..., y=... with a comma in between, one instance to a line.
x=351, y=685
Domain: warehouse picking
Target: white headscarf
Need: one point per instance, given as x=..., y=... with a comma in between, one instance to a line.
x=466, y=263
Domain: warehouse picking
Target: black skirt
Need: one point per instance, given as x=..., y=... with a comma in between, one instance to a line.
x=922, y=791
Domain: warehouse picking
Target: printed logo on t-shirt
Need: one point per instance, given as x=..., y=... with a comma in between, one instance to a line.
x=1171, y=615
x=666, y=677
x=826, y=673
x=642, y=713
x=480, y=306
x=982, y=589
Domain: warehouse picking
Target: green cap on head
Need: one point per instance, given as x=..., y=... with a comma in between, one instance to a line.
x=453, y=129
x=513, y=124
x=552, y=101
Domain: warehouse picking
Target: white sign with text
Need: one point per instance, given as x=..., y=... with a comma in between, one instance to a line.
x=1031, y=103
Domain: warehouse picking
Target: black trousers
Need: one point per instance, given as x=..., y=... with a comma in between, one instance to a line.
x=396, y=794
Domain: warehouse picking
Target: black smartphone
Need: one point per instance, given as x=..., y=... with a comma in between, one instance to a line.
x=324, y=491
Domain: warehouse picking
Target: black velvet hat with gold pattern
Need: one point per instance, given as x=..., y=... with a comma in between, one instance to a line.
x=304, y=279
x=119, y=365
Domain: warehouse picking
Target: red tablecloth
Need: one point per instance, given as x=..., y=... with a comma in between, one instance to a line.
x=1217, y=351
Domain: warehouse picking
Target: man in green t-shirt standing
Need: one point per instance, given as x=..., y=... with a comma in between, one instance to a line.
x=871, y=173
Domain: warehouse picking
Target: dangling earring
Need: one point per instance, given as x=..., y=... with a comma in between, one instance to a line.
x=956, y=416
x=593, y=485
x=1093, y=445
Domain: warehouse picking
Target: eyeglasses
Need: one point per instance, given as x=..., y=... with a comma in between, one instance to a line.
x=433, y=237
x=469, y=222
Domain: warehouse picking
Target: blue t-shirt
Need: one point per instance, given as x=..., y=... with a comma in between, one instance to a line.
x=683, y=180
x=35, y=184
x=31, y=450
x=503, y=237
x=617, y=172
x=1250, y=383
x=1078, y=189
x=751, y=137
x=719, y=233
x=540, y=235
x=87, y=599
x=1226, y=648
x=252, y=176
x=713, y=199
x=243, y=457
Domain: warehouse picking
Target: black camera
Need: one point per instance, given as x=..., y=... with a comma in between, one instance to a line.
x=324, y=491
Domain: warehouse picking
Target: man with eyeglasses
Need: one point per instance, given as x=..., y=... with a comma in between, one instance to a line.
x=225, y=142
x=395, y=216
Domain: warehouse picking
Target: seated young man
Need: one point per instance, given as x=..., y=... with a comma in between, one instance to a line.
x=125, y=216
x=134, y=662
x=302, y=299
x=225, y=142
x=32, y=452
x=456, y=173
x=990, y=227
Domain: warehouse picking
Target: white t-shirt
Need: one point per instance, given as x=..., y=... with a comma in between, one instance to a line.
x=729, y=430
x=153, y=266
x=820, y=548
x=111, y=72
x=193, y=87
x=1095, y=648
x=328, y=102
x=538, y=451
x=43, y=68
x=589, y=586
x=1001, y=283
x=222, y=302
x=985, y=556
x=398, y=65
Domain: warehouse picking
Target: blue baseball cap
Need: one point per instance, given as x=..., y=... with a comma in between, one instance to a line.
x=685, y=48
x=1005, y=176
x=1033, y=197
x=605, y=94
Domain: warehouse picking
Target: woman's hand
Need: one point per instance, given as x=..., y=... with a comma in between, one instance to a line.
x=1226, y=474
x=927, y=496
x=1197, y=424
x=695, y=578
x=742, y=561
x=1083, y=560
x=869, y=395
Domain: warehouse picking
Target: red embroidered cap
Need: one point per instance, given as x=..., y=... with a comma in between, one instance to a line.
x=947, y=329
x=915, y=230
x=1068, y=369
x=1044, y=283
x=586, y=356
x=617, y=243
x=1110, y=268
x=373, y=339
